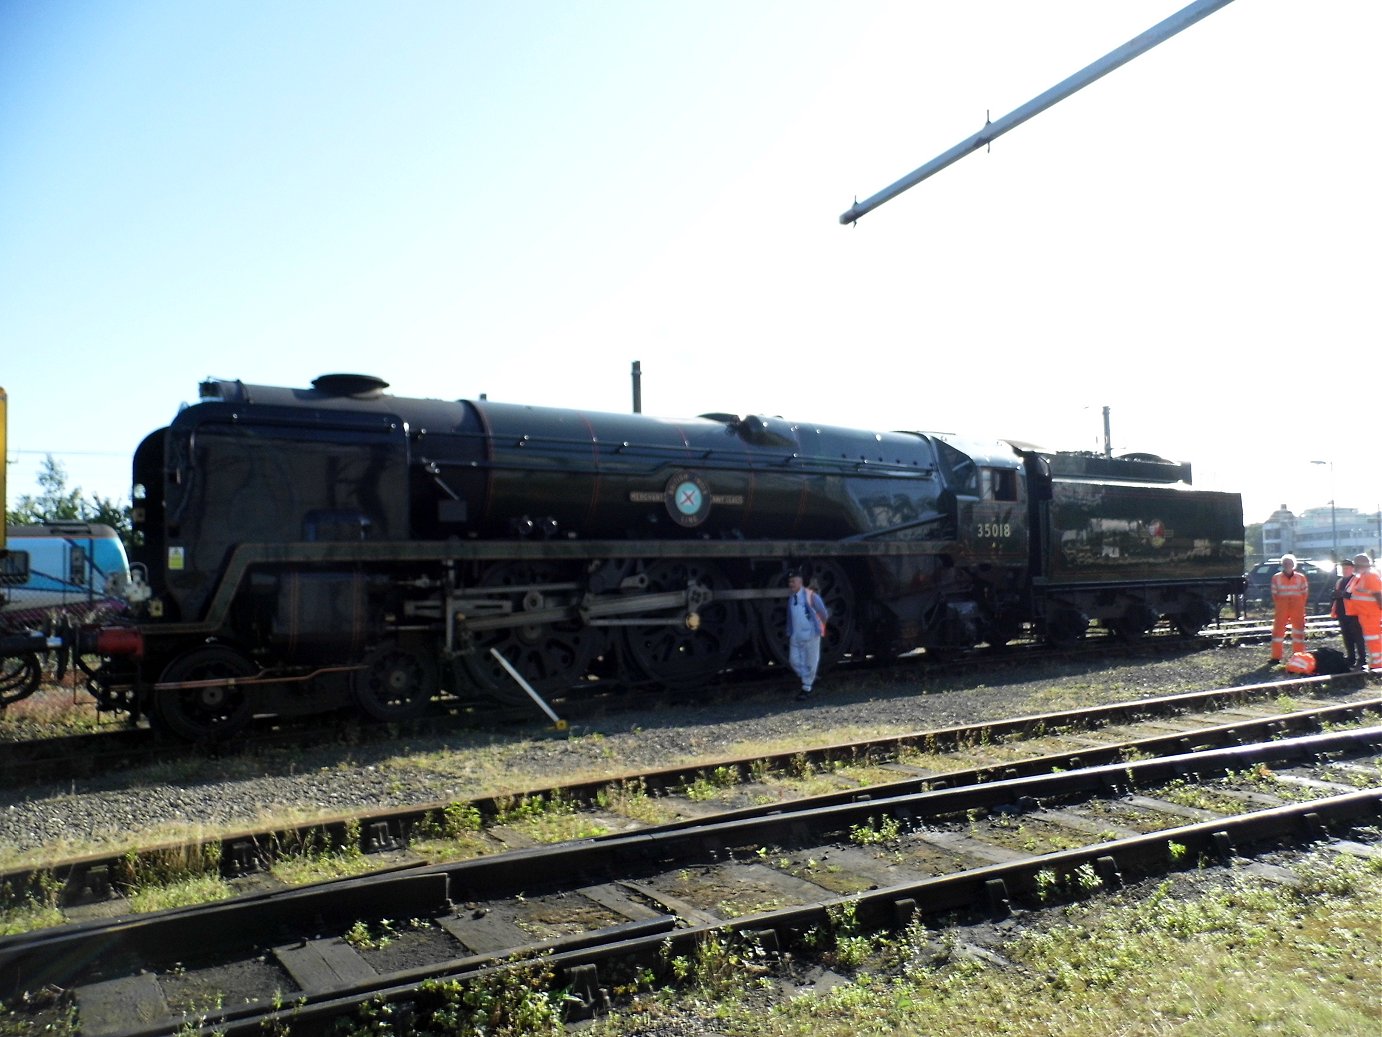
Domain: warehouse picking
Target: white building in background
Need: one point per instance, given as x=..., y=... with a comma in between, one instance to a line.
x=1314, y=532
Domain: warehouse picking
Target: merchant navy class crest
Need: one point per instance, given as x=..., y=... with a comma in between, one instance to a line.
x=687, y=498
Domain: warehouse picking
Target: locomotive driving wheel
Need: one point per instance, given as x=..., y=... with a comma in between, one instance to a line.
x=205, y=702
x=833, y=584
x=550, y=656
x=683, y=653
x=395, y=684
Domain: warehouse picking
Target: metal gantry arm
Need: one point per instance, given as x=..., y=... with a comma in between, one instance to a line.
x=1163, y=30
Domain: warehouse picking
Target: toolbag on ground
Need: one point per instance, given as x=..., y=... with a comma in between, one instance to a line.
x=1330, y=660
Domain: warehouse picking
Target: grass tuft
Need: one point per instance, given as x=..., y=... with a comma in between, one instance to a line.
x=1228, y=955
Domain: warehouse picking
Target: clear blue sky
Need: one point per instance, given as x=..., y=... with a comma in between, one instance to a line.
x=521, y=198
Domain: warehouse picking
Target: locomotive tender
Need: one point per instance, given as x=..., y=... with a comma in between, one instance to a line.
x=308, y=548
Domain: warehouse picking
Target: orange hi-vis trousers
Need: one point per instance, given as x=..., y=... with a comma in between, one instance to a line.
x=1370, y=619
x=1288, y=601
x=1362, y=602
x=1290, y=613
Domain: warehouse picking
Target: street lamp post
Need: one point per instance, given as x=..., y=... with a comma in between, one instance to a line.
x=1333, y=514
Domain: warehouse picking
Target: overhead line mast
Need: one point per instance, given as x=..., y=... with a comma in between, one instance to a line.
x=1163, y=30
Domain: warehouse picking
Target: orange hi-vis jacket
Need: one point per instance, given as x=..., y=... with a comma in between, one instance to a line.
x=1290, y=589
x=1362, y=602
x=1362, y=592
x=1288, y=598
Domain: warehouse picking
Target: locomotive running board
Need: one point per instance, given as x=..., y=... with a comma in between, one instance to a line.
x=245, y=556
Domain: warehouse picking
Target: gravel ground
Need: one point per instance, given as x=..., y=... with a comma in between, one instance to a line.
x=200, y=797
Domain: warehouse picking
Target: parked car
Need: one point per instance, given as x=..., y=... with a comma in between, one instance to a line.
x=1257, y=582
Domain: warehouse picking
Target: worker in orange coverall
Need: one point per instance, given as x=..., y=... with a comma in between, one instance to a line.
x=1290, y=588
x=1365, y=602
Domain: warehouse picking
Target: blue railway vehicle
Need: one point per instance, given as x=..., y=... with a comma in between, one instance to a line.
x=73, y=569
x=54, y=578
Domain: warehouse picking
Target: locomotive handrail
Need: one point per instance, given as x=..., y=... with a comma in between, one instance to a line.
x=656, y=453
x=824, y=465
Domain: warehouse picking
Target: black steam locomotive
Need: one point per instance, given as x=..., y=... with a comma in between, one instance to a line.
x=307, y=548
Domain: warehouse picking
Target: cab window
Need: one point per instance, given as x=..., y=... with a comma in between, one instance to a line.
x=76, y=565
x=998, y=484
x=14, y=568
x=961, y=472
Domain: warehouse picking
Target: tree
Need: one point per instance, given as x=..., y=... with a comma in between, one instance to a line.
x=55, y=503
x=1252, y=544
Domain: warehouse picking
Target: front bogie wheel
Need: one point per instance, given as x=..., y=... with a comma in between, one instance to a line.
x=395, y=684
x=199, y=695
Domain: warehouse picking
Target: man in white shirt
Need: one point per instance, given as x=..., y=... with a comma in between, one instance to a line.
x=806, y=616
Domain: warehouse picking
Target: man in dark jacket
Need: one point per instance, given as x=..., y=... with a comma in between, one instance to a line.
x=1349, y=627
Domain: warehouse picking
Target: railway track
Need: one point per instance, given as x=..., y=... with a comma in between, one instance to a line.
x=593, y=909
x=977, y=752
x=392, y=828
x=27, y=761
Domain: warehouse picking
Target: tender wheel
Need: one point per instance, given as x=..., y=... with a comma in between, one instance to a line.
x=207, y=704
x=1066, y=628
x=1197, y=615
x=1128, y=633
x=832, y=583
x=1134, y=624
x=999, y=630
x=550, y=656
x=396, y=684
x=675, y=655
x=19, y=677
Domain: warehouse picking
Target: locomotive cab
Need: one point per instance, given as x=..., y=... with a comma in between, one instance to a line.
x=991, y=534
